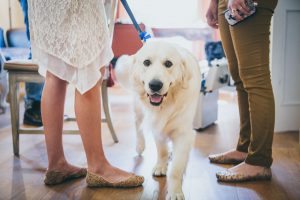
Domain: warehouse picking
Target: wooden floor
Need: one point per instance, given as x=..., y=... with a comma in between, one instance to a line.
x=22, y=177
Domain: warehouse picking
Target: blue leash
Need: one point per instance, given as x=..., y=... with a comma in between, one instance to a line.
x=143, y=35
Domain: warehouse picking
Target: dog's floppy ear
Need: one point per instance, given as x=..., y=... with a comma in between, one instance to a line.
x=135, y=77
x=123, y=70
x=127, y=74
x=185, y=71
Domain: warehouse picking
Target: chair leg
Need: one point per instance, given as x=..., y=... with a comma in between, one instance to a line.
x=106, y=111
x=14, y=110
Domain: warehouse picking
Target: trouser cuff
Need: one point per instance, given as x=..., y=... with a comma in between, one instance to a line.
x=243, y=148
x=259, y=161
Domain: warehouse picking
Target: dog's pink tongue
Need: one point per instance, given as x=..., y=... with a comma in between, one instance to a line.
x=155, y=98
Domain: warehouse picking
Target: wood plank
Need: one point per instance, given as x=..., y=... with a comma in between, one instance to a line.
x=22, y=178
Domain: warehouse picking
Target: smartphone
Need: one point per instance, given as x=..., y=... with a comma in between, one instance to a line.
x=232, y=21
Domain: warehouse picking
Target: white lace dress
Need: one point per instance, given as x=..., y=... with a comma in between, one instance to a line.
x=70, y=39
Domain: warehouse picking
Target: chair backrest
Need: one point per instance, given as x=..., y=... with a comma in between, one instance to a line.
x=17, y=38
x=2, y=42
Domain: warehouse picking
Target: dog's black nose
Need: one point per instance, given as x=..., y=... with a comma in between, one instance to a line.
x=155, y=85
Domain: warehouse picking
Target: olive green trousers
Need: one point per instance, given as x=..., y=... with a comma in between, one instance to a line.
x=247, y=49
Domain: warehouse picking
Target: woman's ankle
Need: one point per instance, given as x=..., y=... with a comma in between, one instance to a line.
x=245, y=168
x=241, y=151
x=99, y=167
x=58, y=164
x=236, y=154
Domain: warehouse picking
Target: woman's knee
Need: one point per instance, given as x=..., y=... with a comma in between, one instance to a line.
x=54, y=79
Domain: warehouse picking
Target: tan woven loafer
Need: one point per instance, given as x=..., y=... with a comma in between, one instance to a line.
x=57, y=177
x=94, y=180
x=227, y=176
x=223, y=159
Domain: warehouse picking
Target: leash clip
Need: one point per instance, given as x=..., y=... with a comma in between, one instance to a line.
x=144, y=36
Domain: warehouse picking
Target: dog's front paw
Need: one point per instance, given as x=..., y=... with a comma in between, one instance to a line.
x=175, y=196
x=160, y=170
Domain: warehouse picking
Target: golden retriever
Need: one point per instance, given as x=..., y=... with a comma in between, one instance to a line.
x=165, y=81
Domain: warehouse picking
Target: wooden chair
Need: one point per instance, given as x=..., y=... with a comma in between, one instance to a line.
x=26, y=71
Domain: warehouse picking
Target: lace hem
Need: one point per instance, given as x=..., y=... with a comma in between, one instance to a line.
x=83, y=78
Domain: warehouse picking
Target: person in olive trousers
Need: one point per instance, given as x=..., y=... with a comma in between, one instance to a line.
x=247, y=47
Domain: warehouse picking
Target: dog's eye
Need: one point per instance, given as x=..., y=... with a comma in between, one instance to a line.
x=147, y=63
x=168, y=64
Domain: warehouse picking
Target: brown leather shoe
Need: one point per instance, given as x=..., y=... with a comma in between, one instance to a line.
x=57, y=177
x=227, y=176
x=94, y=180
x=223, y=159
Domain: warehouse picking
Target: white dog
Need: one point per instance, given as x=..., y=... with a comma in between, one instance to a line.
x=165, y=80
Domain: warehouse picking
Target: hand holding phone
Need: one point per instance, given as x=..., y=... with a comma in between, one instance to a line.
x=234, y=16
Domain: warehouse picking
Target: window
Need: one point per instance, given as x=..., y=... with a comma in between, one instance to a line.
x=166, y=13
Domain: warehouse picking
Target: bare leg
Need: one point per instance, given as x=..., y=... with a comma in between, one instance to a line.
x=88, y=115
x=53, y=98
x=247, y=169
x=233, y=154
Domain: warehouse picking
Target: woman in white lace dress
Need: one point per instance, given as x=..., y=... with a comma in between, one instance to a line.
x=70, y=42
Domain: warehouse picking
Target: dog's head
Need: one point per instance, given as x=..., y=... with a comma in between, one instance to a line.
x=156, y=70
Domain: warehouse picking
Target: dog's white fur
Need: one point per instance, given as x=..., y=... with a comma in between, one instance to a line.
x=172, y=119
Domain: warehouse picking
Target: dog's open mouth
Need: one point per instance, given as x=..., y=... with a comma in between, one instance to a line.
x=156, y=99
